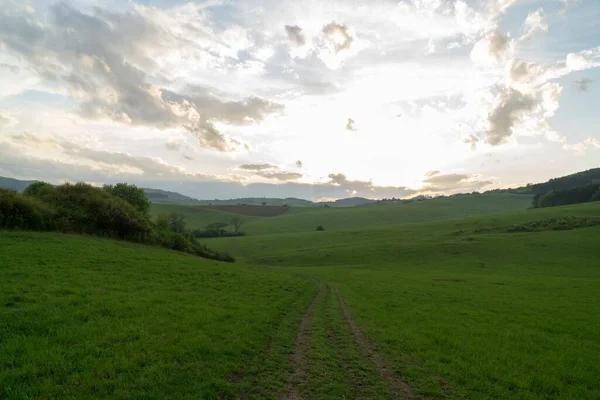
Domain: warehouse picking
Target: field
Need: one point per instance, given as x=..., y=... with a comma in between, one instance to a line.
x=83, y=317
x=303, y=219
x=437, y=299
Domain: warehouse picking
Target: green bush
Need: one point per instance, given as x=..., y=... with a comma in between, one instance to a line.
x=320, y=228
x=113, y=211
x=131, y=194
x=21, y=212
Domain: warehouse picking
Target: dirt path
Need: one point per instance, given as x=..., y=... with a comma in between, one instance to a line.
x=399, y=390
x=298, y=358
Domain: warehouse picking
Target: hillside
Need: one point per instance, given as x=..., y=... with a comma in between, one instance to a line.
x=14, y=184
x=159, y=196
x=466, y=308
x=83, y=317
x=299, y=219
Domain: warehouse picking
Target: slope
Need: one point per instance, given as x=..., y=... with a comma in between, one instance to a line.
x=465, y=308
x=83, y=317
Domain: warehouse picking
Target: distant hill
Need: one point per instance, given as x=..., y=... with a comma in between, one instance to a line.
x=14, y=184
x=567, y=182
x=160, y=196
x=350, y=202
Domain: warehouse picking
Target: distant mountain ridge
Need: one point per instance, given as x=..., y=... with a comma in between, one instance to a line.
x=160, y=196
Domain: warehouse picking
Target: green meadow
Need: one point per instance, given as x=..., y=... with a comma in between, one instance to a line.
x=471, y=297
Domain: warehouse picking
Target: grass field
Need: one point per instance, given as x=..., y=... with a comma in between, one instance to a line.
x=461, y=314
x=303, y=219
x=83, y=317
x=387, y=303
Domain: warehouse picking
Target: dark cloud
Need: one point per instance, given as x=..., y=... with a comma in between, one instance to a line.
x=280, y=175
x=299, y=164
x=295, y=35
x=453, y=183
x=583, y=84
x=510, y=104
x=350, y=125
x=366, y=188
x=257, y=167
x=338, y=35
x=106, y=57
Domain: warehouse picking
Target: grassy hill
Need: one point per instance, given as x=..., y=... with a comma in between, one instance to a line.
x=301, y=219
x=473, y=296
x=82, y=317
x=467, y=308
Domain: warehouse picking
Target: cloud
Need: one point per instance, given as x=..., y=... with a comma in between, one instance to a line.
x=257, y=167
x=338, y=36
x=366, y=188
x=350, y=125
x=583, y=84
x=9, y=67
x=510, y=105
x=108, y=59
x=473, y=141
x=583, y=60
x=450, y=183
x=299, y=164
x=295, y=35
x=491, y=49
x=513, y=106
x=173, y=146
x=280, y=175
x=430, y=174
x=568, y=5
x=7, y=120
x=533, y=24
x=581, y=147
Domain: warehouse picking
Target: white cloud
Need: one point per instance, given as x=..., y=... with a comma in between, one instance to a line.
x=533, y=24
x=7, y=120
x=582, y=147
x=491, y=49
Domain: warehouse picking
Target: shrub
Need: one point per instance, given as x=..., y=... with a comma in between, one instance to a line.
x=131, y=194
x=38, y=189
x=22, y=212
x=320, y=228
x=87, y=209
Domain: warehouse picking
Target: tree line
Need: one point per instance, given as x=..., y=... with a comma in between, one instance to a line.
x=120, y=211
x=561, y=197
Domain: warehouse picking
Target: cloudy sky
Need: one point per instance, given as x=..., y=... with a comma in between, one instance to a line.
x=306, y=98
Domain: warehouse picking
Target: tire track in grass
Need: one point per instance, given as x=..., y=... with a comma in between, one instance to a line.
x=399, y=390
x=362, y=378
x=298, y=359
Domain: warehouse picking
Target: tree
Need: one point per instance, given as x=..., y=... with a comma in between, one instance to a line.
x=38, y=189
x=131, y=194
x=264, y=203
x=320, y=228
x=237, y=222
x=176, y=223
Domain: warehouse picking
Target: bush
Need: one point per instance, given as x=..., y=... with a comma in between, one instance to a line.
x=83, y=208
x=320, y=228
x=131, y=194
x=87, y=209
x=38, y=189
x=21, y=212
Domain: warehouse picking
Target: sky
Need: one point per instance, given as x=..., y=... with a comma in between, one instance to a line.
x=305, y=98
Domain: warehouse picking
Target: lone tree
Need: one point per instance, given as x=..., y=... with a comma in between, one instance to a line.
x=237, y=222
